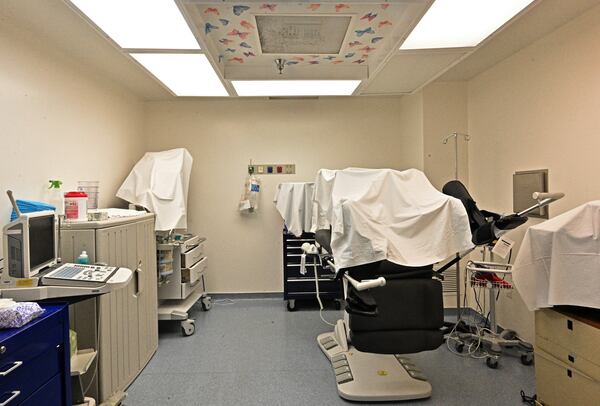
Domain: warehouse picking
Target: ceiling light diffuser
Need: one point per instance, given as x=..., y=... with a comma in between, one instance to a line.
x=142, y=24
x=295, y=87
x=184, y=74
x=461, y=23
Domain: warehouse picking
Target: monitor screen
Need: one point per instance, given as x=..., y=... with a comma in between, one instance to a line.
x=41, y=240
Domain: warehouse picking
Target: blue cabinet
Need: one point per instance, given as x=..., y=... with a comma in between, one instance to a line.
x=35, y=360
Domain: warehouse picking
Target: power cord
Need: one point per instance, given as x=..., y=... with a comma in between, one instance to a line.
x=319, y=297
x=530, y=400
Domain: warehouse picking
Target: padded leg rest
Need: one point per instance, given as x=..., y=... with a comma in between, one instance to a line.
x=412, y=304
x=396, y=342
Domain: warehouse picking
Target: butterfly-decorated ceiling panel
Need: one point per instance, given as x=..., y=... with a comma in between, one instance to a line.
x=235, y=30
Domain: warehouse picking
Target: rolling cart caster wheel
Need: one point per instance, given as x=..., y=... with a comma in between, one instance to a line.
x=206, y=303
x=460, y=347
x=527, y=358
x=491, y=362
x=291, y=305
x=188, y=327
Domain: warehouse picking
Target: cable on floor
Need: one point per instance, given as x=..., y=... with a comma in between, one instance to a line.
x=319, y=298
x=224, y=302
x=530, y=400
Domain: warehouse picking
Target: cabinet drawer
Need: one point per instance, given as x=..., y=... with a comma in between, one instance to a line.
x=50, y=394
x=294, y=272
x=189, y=259
x=191, y=242
x=188, y=288
x=191, y=275
x=307, y=285
x=557, y=384
x=26, y=376
x=22, y=351
x=569, y=357
x=555, y=330
x=296, y=258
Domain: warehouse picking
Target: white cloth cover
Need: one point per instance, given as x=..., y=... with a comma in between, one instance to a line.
x=294, y=201
x=378, y=214
x=159, y=182
x=559, y=260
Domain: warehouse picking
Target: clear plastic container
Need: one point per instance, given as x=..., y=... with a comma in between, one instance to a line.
x=92, y=189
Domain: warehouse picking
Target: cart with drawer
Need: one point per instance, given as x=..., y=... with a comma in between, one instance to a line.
x=297, y=286
x=182, y=267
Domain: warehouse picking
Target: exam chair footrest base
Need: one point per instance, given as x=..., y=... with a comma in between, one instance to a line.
x=369, y=377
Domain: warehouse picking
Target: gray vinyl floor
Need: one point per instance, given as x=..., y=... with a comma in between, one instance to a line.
x=254, y=352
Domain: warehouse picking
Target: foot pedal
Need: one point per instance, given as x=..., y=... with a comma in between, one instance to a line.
x=328, y=343
x=417, y=375
x=340, y=363
x=344, y=378
x=341, y=357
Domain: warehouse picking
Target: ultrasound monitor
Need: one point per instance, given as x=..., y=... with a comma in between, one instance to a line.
x=30, y=244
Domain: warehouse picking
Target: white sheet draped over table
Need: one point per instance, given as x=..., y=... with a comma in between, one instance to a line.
x=294, y=201
x=159, y=182
x=559, y=260
x=384, y=214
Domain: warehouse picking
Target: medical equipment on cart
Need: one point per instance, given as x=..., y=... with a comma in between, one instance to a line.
x=182, y=264
x=29, y=243
x=35, y=237
x=487, y=229
x=79, y=275
x=294, y=202
x=159, y=182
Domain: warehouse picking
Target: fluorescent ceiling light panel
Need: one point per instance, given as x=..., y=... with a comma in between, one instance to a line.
x=295, y=87
x=184, y=74
x=152, y=24
x=461, y=23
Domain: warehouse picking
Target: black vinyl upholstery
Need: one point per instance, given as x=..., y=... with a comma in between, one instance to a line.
x=404, y=316
x=410, y=313
x=323, y=237
x=482, y=222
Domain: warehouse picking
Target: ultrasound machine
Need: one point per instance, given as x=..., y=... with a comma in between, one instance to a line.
x=32, y=269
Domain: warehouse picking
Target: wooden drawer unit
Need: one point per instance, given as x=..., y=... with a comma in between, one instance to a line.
x=300, y=287
x=567, y=357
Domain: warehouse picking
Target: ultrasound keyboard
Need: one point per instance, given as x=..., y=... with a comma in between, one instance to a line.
x=80, y=275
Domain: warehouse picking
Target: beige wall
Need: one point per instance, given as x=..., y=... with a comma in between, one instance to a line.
x=223, y=135
x=540, y=108
x=60, y=121
x=444, y=113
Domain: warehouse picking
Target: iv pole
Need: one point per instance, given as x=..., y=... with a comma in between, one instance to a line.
x=467, y=138
x=455, y=135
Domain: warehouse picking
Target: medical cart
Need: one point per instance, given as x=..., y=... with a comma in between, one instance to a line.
x=299, y=286
x=181, y=280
